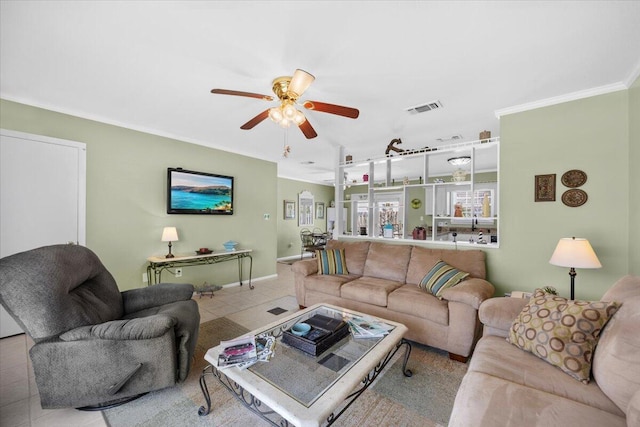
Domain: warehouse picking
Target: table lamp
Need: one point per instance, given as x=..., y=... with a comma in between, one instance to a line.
x=169, y=234
x=574, y=253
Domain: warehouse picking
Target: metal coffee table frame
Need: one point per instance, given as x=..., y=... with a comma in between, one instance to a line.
x=272, y=416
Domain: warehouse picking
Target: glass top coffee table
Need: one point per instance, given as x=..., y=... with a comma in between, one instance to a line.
x=296, y=388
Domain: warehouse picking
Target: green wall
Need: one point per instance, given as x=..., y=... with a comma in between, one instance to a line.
x=591, y=135
x=288, y=230
x=634, y=178
x=126, y=191
x=599, y=135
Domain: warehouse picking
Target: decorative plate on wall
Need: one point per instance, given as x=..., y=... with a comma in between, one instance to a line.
x=574, y=198
x=416, y=203
x=574, y=178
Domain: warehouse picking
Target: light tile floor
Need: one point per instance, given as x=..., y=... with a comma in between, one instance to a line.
x=19, y=400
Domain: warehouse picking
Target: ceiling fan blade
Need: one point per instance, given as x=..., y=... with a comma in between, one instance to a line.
x=256, y=120
x=238, y=93
x=307, y=129
x=323, y=107
x=300, y=82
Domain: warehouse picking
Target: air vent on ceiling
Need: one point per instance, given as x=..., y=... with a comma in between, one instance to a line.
x=429, y=106
x=457, y=137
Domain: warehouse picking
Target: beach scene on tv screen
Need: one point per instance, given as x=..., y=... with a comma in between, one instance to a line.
x=200, y=192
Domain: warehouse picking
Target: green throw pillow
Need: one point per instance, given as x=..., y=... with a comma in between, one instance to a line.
x=331, y=261
x=441, y=277
x=562, y=332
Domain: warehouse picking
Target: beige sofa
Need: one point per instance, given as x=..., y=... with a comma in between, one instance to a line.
x=383, y=281
x=506, y=386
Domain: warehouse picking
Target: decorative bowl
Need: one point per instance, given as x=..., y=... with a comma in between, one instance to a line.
x=459, y=175
x=300, y=329
x=230, y=245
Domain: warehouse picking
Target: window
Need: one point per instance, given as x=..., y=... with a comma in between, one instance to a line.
x=465, y=207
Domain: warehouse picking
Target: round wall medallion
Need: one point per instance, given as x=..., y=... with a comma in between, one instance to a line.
x=574, y=178
x=574, y=198
x=416, y=203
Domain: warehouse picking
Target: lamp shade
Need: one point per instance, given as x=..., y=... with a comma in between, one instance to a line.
x=169, y=234
x=300, y=82
x=576, y=253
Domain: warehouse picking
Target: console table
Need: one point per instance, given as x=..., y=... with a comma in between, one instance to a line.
x=159, y=263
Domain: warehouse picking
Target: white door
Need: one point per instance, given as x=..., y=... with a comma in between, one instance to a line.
x=42, y=197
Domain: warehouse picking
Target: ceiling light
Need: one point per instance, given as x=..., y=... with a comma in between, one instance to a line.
x=284, y=123
x=275, y=114
x=286, y=114
x=459, y=161
x=289, y=89
x=289, y=111
x=299, y=118
x=300, y=82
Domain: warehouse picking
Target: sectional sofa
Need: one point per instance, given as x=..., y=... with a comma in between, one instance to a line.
x=382, y=280
x=507, y=386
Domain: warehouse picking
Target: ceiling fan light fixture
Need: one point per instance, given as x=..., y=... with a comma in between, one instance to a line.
x=285, y=123
x=288, y=89
x=275, y=114
x=460, y=161
x=300, y=82
x=286, y=114
x=299, y=118
x=289, y=111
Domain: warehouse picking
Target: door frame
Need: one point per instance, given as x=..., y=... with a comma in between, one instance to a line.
x=82, y=173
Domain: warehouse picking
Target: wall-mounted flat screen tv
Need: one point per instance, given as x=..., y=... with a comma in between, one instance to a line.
x=191, y=192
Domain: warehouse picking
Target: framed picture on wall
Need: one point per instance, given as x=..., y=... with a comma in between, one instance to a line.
x=305, y=205
x=289, y=209
x=319, y=210
x=545, y=188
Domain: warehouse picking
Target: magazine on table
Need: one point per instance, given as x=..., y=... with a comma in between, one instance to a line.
x=245, y=351
x=361, y=327
x=238, y=351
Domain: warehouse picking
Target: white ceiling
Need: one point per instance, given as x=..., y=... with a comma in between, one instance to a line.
x=150, y=65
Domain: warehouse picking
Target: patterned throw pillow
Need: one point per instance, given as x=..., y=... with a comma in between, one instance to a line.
x=441, y=277
x=562, y=332
x=331, y=261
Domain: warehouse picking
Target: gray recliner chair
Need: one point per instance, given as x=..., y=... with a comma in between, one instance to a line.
x=94, y=345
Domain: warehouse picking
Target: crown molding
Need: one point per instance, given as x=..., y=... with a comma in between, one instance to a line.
x=587, y=93
x=150, y=131
x=125, y=125
x=633, y=76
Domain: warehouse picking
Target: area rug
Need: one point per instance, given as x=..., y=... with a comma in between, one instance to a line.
x=425, y=399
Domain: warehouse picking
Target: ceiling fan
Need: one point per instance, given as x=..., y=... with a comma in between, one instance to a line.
x=288, y=89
